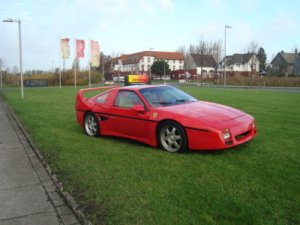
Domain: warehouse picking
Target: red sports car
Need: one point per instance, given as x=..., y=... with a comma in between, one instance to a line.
x=163, y=115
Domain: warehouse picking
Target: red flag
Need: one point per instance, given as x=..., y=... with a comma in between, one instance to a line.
x=95, y=53
x=80, y=48
x=64, y=48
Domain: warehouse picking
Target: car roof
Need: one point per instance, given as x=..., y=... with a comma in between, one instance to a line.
x=139, y=87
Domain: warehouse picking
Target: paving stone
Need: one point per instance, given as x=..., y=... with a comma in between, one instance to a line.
x=36, y=219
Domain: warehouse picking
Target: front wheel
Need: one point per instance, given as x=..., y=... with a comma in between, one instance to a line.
x=91, y=125
x=172, y=137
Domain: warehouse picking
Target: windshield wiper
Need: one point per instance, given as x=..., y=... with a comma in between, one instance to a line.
x=185, y=100
x=173, y=101
x=162, y=103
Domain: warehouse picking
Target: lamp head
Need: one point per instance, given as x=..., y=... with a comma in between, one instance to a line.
x=8, y=20
x=11, y=20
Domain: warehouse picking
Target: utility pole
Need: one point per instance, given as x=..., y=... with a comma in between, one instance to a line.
x=20, y=51
x=225, y=59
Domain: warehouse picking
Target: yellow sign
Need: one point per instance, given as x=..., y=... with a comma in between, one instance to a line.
x=138, y=78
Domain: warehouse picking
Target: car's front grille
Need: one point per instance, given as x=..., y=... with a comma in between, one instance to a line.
x=241, y=136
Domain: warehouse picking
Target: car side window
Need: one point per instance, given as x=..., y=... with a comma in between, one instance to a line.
x=127, y=99
x=102, y=98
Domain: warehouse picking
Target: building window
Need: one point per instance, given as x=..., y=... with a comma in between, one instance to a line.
x=173, y=68
x=148, y=59
x=148, y=67
x=143, y=67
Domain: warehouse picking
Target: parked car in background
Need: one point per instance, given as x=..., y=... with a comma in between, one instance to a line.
x=120, y=79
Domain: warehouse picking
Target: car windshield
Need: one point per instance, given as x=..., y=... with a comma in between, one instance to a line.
x=165, y=96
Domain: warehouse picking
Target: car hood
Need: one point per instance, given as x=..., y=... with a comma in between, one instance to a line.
x=205, y=111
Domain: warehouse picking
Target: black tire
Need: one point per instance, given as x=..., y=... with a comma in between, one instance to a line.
x=172, y=137
x=91, y=125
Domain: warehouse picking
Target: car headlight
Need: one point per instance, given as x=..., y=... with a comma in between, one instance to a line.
x=226, y=134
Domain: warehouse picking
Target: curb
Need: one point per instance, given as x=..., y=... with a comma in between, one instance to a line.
x=68, y=198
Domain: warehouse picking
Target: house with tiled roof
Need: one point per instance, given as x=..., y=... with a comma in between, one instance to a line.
x=141, y=62
x=240, y=64
x=286, y=63
x=205, y=65
x=116, y=63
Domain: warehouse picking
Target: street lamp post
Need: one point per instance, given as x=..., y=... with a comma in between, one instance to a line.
x=1, y=73
x=225, y=59
x=20, y=50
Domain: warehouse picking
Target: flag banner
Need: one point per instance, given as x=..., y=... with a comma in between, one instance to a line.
x=65, y=48
x=95, y=54
x=80, y=48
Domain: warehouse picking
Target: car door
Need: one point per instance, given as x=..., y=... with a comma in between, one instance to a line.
x=126, y=120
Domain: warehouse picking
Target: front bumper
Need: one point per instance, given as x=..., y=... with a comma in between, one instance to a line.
x=242, y=130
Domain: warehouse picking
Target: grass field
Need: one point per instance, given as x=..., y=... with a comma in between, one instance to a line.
x=118, y=181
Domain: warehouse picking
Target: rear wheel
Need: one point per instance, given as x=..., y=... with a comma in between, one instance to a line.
x=91, y=125
x=172, y=137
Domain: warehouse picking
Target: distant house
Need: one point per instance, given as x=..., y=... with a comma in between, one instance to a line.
x=205, y=65
x=240, y=64
x=286, y=63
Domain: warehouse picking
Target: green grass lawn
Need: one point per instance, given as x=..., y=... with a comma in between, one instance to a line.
x=118, y=181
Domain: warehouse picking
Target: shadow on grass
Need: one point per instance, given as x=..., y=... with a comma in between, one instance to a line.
x=219, y=152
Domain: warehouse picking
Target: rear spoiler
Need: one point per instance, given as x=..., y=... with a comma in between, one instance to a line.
x=81, y=92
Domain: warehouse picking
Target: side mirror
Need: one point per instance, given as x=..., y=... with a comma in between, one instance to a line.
x=139, y=108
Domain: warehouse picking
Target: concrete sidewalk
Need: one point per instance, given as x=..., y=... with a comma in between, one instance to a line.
x=28, y=195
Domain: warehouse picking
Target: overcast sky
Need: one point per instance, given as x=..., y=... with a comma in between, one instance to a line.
x=128, y=26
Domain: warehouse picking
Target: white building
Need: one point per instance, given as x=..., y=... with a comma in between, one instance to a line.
x=141, y=62
x=240, y=63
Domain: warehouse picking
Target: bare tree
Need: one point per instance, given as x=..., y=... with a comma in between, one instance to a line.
x=295, y=49
x=1, y=63
x=15, y=70
x=252, y=47
x=217, y=50
x=207, y=48
x=181, y=49
x=192, y=49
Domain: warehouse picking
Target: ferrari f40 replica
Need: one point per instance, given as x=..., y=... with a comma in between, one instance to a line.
x=162, y=115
